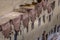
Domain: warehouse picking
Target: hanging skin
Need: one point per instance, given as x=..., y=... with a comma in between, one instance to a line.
x=38, y=8
x=16, y=23
x=25, y=20
x=44, y=5
x=49, y=8
x=6, y=29
x=32, y=15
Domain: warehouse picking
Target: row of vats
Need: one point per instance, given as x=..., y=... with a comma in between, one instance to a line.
x=16, y=18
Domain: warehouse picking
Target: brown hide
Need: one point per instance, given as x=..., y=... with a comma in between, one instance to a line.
x=49, y=8
x=33, y=15
x=39, y=9
x=16, y=23
x=6, y=29
x=44, y=5
x=25, y=20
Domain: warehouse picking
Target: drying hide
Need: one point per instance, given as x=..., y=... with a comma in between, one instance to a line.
x=6, y=29
x=44, y=5
x=49, y=8
x=38, y=9
x=33, y=15
x=53, y=5
x=25, y=20
x=16, y=23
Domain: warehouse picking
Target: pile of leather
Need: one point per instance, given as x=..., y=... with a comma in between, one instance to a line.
x=25, y=20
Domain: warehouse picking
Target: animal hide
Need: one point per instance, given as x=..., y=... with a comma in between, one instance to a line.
x=38, y=9
x=33, y=15
x=49, y=8
x=16, y=23
x=25, y=20
x=53, y=5
x=6, y=29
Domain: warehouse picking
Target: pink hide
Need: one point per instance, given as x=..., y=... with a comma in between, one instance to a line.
x=39, y=9
x=49, y=8
x=6, y=29
x=16, y=23
x=44, y=5
x=25, y=20
x=32, y=15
